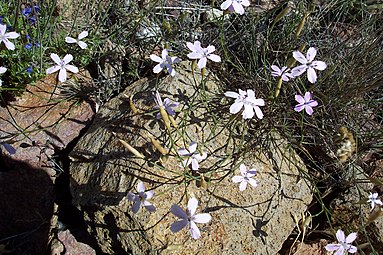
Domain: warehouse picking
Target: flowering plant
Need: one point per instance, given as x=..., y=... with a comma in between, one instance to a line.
x=344, y=245
x=189, y=218
x=202, y=53
x=306, y=103
x=141, y=199
x=247, y=100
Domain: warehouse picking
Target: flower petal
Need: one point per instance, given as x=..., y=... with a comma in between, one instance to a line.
x=237, y=179
x=243, y=169
x=242, y=185
x=202, y=62
x=238, y=8
x=311, y=53
x=70, y=40
x=8, y=44
x=149, y=207
x=202, y=218
x=3, y=69
x=193, y=147
x=156, y=58
x=62, y=75
x=298, y=70
x=82, y=45
x=311, y=75
x=300, y=99
x=319, y=65
x=258, y=112
x=351, y=237
x=131, y=196
x=236, y=107
x=248, y=113
x=82, y=35
x=52, y=69
x=177, y=211
x=225, y=5
x=195, y=165
x=309, y=110
x=141, y=187
x=352, y=249
x=299, y=107
x=71, y=68
x=68, y=58
x=307, y=97
x=332, y=247
x=340, y=236
x=194, y=231
x=178, y=225
x=299, y=57
x=12, y=35
x=214, y=58
x=252, y=182
x=192, y=205
x=136, y=206
x=56, y=59
x=231, y=94
x=157, y=68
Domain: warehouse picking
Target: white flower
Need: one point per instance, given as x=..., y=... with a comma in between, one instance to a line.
x=62, y=65
x=235, y=5
x=141, y=198
x=202, y=53
x=373, y=199
x=165, y=62
x=80, y=43
x=194, y=158
x=344, y=246
x=5, y=36
x=2, y=69
x=246, y=177
x=189, y=218
x=308, y=64
x=284, y=72
x=248, y=101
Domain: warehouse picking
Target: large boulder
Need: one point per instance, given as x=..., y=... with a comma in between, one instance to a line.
x=255, y=221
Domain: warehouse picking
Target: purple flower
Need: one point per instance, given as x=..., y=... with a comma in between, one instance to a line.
x=344, y=246
x=167, y=104
x=306, y=103
x=202, y=53
x=373, y=199
x=235, y=5
x=189, y=218
x=308, y=64
x=141, y=198
x=245, y=178
x=284, y=72
x=165, y=62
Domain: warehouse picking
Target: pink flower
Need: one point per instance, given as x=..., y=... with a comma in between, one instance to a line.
x=189, y=218
x=344, y=246
x=308, y=64
x=235, y=5
x=141, y=198
x=305, y=103
x=245, y=178
x=5, y=36
x=202, y=53
x=62, y=65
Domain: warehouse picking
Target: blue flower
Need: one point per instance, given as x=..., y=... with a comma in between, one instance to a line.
x=28, y=46
x=29, y=69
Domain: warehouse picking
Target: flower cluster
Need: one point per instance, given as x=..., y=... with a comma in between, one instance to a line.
x=344, y=244
x=63, y=65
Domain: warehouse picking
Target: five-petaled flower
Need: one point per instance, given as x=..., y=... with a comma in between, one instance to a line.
x=284, y=72
x=141, y=198
x=373, y=199
x=308, y=64
x=167, y=104
x=5, y=36
x=248, y=101
x=165, y=62
x=245, y=178
x=202, y=53
x=62, y=65
x=344, y=246
x=306, y=103
x=194, y=158
x=189, y=218
x=80, y=43
x=235, y=5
